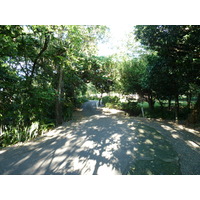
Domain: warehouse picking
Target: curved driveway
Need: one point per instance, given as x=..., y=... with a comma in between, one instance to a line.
x=104, y=141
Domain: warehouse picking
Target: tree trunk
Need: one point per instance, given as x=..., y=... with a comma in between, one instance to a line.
x=194, y=116
x=1, y=130
x=197, y=104
x=58, y=108
x=189, y=97
x=99, y=104
x=162, y=107
x=151, y=102
x=161, y=103
x=197, y=109
x=44, y=48
x=169, y=103
x=176, y=107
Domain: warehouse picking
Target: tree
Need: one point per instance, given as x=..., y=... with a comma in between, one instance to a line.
x=135, y=79
x=76, y=43
x=99, y=73
x=178, y=46
x=45, y=63
x=165, y=84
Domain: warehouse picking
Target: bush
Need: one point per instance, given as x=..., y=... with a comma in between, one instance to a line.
x=12, y=135
x=132, y=108
x=112, y=100
x=109, y=105
x=159, y=112
x=93, y=98
x=80, y=101
x=114, y=105
x=105, y=100
x=184, y=112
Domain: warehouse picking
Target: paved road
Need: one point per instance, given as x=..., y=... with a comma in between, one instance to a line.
x=106, y=142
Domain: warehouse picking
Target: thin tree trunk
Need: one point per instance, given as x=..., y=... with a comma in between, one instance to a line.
x=161, y=103
x=44, y=48
x=169, y=103
x=194, y=116
x=100, y=100
x=1, y=130
x=162, y=107
x=151, y=102
x=176, y=107
x=197, y=104
x=189, y=97
x=58, y=109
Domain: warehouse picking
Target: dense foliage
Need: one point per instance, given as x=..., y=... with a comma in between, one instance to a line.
x=43, y=72
x=170, y=68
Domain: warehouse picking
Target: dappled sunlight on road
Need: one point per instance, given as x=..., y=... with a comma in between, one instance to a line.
x=152, y=152
x=96, y=145
x=192, y=144
x=168, y=128
x=174, y=135
x=109, y=111
x=186, y=142
x=107, y=170
x=177, y=134
x=107, y=142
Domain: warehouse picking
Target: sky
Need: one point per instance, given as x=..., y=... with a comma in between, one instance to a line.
x=117, y=36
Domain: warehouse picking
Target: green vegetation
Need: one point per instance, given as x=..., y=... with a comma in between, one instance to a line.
x=44, y=74
x=173, y=67
x=133, y=108
x=48, y=71
x=164, y=72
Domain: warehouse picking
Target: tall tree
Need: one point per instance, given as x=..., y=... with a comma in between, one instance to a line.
x=178, y=46
x=45, y=63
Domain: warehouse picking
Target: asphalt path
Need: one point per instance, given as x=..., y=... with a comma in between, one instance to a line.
x=100, y=141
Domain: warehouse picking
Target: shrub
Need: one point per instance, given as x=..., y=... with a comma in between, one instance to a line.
x=112, y=100
x=80, y=101
x=184, y=112
x=13, y=135
x=132, y=108
x=93, y=98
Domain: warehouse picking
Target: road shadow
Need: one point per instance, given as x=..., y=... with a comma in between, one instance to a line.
x=97, y=145
x=186, y=142
x=103, y=144
x=154, y=154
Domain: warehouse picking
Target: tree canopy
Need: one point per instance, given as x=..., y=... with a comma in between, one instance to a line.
x=45, y=69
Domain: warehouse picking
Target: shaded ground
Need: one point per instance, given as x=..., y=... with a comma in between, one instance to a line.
x=154, y=154
x=105, y=141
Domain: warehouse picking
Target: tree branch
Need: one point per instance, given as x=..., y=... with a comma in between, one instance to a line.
x=39, y=55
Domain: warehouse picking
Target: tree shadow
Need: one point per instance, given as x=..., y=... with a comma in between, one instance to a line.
x=100, y=144
x=185, y=142
x=154, y=154
x=96, y=145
